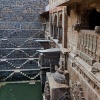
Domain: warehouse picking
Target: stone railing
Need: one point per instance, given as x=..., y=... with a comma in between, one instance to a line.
x=89, y=46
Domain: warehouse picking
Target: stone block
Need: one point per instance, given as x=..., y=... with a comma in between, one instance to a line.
x=87, y=58
x=97, y=66
x=72, y=56
x=57, y=90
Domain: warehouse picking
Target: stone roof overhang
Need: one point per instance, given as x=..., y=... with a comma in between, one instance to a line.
x=44, y=13
x=68, y=2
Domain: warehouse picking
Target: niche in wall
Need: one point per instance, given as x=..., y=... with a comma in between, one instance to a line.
x=90, y=19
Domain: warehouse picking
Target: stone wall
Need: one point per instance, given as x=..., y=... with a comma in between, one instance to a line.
x=21, y=14
x=83, y=61
x=20, y=27
x=80, y=64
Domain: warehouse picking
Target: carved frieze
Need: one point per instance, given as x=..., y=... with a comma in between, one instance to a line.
x=77, y=92
x=90, y=80
x=47, y=91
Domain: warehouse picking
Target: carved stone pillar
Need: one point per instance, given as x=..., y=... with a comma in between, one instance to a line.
x=88, y=41
x=84, y=43
x=98, y=50
x=91, y=45
x=79, y=42
x=94, y=45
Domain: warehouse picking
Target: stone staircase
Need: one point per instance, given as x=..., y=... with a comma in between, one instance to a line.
x=18, y=56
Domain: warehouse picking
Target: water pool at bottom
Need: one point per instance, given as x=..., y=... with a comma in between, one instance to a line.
x=21, y=91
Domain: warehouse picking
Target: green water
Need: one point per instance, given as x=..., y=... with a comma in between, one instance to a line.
x=21, y=91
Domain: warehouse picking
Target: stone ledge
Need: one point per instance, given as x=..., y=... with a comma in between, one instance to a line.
x=63, y=50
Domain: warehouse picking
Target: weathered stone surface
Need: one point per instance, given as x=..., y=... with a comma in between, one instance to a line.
x=57, y=90
x=47, y=91
x=97, y=65
x=86, y=58
x=58, y=77
x=84, y=45
x=22, y=14
x=48, y=58
x=20, y=26
x=97, y=29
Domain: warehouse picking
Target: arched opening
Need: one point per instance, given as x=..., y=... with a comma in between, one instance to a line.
x=55, y=27
x=94, y=19
x=60, y=29
x=90, y=19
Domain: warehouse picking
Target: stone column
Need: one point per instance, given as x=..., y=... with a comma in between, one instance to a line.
x=64, y=28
